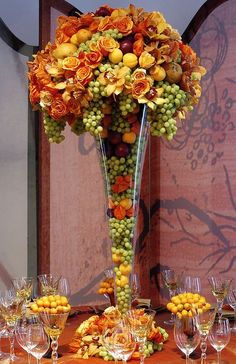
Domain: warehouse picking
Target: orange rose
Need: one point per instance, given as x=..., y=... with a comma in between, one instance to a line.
x=34, y=94
x=138, y=45
x=107, y=45
x=81, y=58
x=146, y=60
x=58, y=108
x=74, y=106
x=105, y=24
x=124, y=24
x=46, y=98
x=93, y=59
x=70, y=63
x=140, y=88
x=139, y=74
x=84, y=74
x=61, y=37
x=94, y=26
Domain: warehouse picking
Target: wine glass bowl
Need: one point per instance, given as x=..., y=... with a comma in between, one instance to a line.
x=219, y=288
x=219, y=336
x=23, y=287
x=48, y=284
x=231, y=298
x=204, y=323
x=54, y=324
x=37, y=341
x=192, y=284
x=186, y=335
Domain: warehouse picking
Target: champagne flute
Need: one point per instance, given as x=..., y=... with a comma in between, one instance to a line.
x=139, y=322
x=48, y=284
x=11, y=310
x=172, y=281
x=219, y=336
x=54, y=324
x=37, y=341
x=232, y=302
x=204, y=322
x=186, y=335
x=192, y=284
x=219, y=288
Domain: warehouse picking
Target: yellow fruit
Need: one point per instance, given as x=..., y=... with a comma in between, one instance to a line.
x=64, y=301
x=39, y=302
x=46, y=303
x=83, y=35
x=53, y=304
x=115, y=258
x=129, y=137
x=64, y=50
x=34, y=307
x=174, y=309
x=158, y=73
x=40, y=309
x=115, y=56
x=130, y=60
x=184, y=313
x=180, y=307
x=66, y=309
x=125, y=269
x=74, y=39
x=187, y=306
x=59, y=309
x=53, y=310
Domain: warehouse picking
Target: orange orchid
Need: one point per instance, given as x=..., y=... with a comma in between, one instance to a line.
x=114, y=80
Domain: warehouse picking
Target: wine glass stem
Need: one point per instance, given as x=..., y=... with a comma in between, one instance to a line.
x=219, y=308
x=29, y=357
x=12, y=342
x=141, y=350
x=203, y=348
x=218, y=357
x=187, y=358
x=54, y=346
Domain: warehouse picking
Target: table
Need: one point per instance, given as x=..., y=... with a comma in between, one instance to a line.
x=169, y=355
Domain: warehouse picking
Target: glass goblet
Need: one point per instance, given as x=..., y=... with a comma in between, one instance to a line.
x=2, y=329
x=231, y=298
x=22, y=330
x=219, y=288
x=54, y=324
x=23, y=287
x=219, y=336
x=186, y=335
x=192, y=284
x=48, y=284
x=139, y=322
x=37, y=341
x=109, y=343
x=64, y=287
x=172, y=281
x=11, y=310
x=204, y=322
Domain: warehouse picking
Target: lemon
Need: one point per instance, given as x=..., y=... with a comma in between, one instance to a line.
x=130, y=60
x=115, y=56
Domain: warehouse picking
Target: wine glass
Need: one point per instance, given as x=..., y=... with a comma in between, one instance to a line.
x=219, y=336
x=172, y=281
x=54, y=324
x=37, y=341
x=186, y=335
x=11, y=310
x=48, y=284
x=2, y=329
x=204, y=322
x=23, y=287
x=64, y=287
x=139, y=322
x=119, y=342
x=135, y=286
x=219, y=288
x=22, y=330
x=192, y=284
x=231, y=298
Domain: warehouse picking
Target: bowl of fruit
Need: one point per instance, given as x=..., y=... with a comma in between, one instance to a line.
x=187, y=304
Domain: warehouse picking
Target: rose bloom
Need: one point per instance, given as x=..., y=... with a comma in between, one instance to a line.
x=140, y=88
x=70, y=63
x=58, y=108
x=124, y=24
x=46, y=99
x=146, y=60
x=84, y=74
x=74, y=106
x=107, y=45
x=105, y=24
x=139, y=74
x=93, y=59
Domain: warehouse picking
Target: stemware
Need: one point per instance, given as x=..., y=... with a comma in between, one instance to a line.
x=22, y=331
x=64, y=287
x=48, y=284
x=219, y=336
x=23, y=287
x=192, y=284
x=135, y=286
x=11, y=310
x=204, y=322
x=37, y=341
x=186, y=335
x=172, y=281
x=139, y=322
x=2, y=329
x=54, y=324
x=219, y=288
x=119, y=342
x=231, y=298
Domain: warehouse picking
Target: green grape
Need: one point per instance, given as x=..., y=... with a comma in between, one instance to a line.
x=53, y=129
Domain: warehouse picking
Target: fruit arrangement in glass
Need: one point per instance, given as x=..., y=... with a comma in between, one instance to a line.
x=186, y=304
x=106, y=286
x=51, y=304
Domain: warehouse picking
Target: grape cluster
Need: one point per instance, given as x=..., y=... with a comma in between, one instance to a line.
x=97, y=90
x=119, y=124
x=92, y=117
x=119, y=166
x=78, y=127
x=162, y=118
x=53, y=129
x=126, y=103
x=104, y=354
x=85, y=47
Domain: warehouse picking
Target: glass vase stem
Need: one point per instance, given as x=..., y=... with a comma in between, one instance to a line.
x=12, y=342
x=54, y=346
x=141, y=350
x=203, y=347
x=218, y=356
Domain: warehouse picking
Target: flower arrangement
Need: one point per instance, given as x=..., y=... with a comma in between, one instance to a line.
x=102, y=72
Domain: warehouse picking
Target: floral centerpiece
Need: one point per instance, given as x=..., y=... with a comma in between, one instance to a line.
x=117, y=74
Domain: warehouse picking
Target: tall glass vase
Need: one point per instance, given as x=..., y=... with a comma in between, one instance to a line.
x=122, y=152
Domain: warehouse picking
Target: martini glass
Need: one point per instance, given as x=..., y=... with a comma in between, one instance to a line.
x=219, y=288
x=139, y=322
x=172, y=281
x=54, y=324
